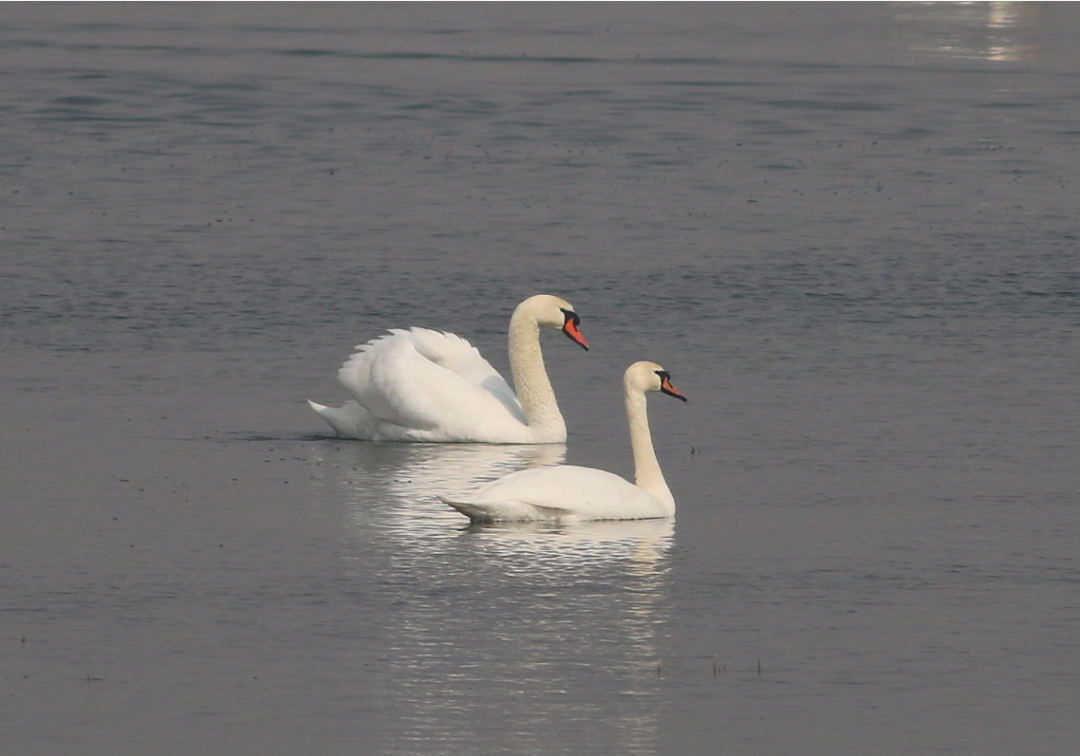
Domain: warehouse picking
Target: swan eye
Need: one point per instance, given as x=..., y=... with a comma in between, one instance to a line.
x=664, y=375
x=570, y=316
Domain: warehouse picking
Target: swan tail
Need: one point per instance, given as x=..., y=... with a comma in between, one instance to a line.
x=482, y=511
x=475, y=512
x=348, y=421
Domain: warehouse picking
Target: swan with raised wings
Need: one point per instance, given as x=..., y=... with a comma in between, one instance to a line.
x=423, y=385
x=570, y=493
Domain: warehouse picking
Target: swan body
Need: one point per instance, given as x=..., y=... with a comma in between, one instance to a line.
x=422, y=385
x=572, y=493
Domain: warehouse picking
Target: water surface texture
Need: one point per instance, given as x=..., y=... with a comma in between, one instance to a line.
x=848, y=231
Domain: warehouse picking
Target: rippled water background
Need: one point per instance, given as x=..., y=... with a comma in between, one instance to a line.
x=850, y=233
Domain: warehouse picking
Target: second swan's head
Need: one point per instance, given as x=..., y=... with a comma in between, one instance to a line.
x=552, y=312
x=647, y=376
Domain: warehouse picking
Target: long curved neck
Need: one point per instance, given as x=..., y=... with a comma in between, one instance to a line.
x=647, y=472
x=531, y=380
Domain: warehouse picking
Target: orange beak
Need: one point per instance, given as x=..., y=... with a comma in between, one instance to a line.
x=570, y=328
x=667, y=388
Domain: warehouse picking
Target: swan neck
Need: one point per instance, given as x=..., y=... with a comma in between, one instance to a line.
x=647, y=472
x=531, y=380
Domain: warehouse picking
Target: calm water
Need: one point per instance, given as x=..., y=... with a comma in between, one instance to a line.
x=849, y=232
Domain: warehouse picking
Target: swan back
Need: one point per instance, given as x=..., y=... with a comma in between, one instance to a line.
x=560, y=492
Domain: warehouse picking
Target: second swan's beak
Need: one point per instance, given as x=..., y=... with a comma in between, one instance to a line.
x=667, y=388
x=570, y=328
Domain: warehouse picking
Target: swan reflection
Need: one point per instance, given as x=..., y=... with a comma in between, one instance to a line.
x=534, y=632
x=639, y=541
x=513, y=634
x=393, y=486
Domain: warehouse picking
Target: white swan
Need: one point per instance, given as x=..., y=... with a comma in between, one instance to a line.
x=570, y=493
x=422, y=385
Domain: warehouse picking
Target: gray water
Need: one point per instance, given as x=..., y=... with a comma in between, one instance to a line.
x=849, y=232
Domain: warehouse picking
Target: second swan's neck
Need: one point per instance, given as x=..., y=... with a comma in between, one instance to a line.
x=647, y=472
x=531, y=380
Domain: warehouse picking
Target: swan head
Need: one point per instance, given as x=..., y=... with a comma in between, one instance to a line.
x=647, y=376
x=552, y=312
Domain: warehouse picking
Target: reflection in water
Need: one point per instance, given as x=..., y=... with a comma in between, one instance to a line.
x=534, y=635
x=987, y=31
x=645, y=539
x=525, y=635
x=405, y=479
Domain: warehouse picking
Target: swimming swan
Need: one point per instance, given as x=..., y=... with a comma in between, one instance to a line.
x=423, y=385
x=570, y=493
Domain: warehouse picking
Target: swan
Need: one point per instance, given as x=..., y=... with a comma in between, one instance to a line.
x=423, y=385
x=569, y=493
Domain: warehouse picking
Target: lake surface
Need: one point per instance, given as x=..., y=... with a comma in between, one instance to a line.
x=848, y=231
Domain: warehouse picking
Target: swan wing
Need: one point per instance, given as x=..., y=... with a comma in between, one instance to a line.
x=420, y=381
x=558, y=492
x=450, y=351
